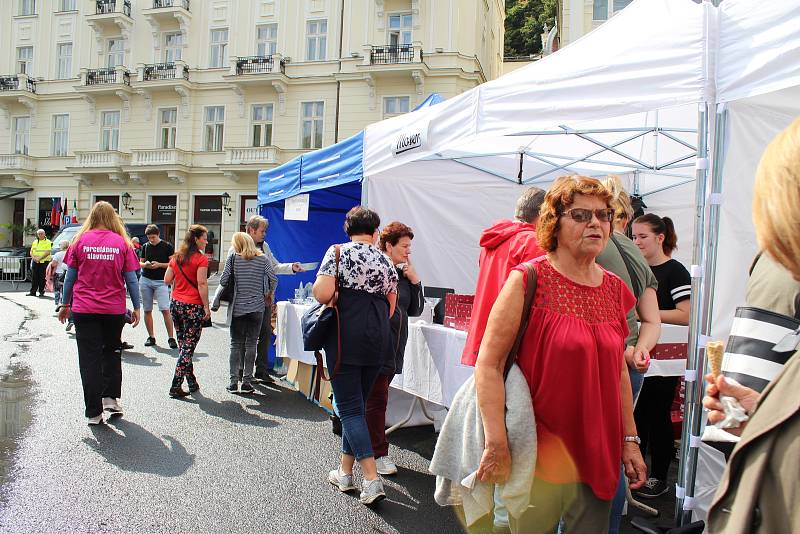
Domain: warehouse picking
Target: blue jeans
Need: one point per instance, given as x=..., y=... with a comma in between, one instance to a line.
x=351, y=388
x=618, y=503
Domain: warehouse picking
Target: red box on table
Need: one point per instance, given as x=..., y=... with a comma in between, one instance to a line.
x=458, y=311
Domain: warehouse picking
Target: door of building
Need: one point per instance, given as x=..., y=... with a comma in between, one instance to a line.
x=18, y=220
x=163, y=212
x=208, y=212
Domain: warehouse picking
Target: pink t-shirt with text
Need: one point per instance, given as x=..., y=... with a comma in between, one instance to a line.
x=101, y=257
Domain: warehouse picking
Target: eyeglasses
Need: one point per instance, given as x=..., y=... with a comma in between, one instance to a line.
x=583, y=215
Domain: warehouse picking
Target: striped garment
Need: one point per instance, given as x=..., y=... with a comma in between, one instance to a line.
x=252, y=280
x=681, y=292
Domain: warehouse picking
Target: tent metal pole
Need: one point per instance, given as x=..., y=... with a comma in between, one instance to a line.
x=667, y=188
x=709, y=269
x=694, y=363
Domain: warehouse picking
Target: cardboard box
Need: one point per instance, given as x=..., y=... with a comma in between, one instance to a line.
x=301, y=376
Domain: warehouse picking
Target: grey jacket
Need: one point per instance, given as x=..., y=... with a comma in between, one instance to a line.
x=461, y=443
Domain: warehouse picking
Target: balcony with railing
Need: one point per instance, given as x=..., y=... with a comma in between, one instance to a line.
x=161, y=4
x=109, y=7
x=251, y=155
x=165, y=13
x=392, y=54
x=164, y=71
x=101, y=159
x=14, y=163
x=260, y=65
x=17, y=82
x=160, y=157
x=105, y=76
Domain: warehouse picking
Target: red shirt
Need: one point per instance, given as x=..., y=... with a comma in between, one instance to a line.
x=503, y=246
x=183, y=290
x=101, y=258
x=571, y=356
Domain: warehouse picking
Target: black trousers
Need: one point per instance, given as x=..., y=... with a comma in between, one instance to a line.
x=38, y=277
x=264, y=339
x=99, y=357
x=654, y=424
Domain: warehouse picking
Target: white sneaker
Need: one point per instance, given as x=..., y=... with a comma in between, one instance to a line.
x=111, y=406
x=342, y=481
x=385, y=466
x=372, y=491
x=94, y=421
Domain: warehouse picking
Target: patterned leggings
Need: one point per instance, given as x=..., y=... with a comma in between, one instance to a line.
x=188, y=320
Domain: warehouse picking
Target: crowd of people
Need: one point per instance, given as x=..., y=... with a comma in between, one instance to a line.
x=598, y=303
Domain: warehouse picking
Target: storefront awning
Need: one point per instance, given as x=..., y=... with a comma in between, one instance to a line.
x=8, y=192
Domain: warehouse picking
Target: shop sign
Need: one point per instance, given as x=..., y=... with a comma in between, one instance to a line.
x=207, y=209
x=296, y=208
x=164, y=209
x=250, y=209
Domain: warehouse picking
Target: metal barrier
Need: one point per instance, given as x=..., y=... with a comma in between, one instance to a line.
x=15, y=270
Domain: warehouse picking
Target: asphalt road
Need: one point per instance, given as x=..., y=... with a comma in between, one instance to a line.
x=215, y=462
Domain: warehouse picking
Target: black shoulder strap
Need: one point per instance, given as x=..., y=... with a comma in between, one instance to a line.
x=637, y=286
x=755, y=261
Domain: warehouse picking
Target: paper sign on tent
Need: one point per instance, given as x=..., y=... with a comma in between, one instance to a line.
x=296, y=208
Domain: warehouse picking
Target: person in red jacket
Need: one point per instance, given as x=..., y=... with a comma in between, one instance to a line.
x=504, y=245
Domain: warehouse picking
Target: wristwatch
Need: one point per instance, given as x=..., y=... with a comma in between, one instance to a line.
x=635, y=439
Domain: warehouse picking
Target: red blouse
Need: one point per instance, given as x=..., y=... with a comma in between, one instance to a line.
x=571, y=356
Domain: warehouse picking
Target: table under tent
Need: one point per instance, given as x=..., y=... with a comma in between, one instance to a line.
x=677, y=97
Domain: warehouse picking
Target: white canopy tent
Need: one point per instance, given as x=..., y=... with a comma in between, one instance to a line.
x=670, y=94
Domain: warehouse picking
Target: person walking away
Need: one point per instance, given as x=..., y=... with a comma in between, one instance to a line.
x=253, y=282
x=655, y=237
x=395, y=242
x=100, y=264
x=623, y=258
x=154, y=259
x=59, y=271
x=41, y=249
x=504, y=245
x=257, y=229
x=188, y=275
x=571, y=355
x=367, y=295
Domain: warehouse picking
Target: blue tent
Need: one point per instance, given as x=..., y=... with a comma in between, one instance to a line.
x=332, y=177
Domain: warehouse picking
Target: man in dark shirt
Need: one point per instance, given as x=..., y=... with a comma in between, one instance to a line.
x=154, y=260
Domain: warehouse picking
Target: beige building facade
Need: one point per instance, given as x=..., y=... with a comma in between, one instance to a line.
x=179, y=103
x=576, y=18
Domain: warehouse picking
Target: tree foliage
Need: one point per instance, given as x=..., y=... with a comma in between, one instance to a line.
x=525, y=20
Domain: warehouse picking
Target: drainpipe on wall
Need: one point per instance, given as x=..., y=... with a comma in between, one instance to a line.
x=338, y=82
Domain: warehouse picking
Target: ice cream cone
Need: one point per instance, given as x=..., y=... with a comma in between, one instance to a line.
x=715, y=350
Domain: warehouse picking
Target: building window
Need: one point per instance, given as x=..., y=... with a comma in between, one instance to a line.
x=262, y=124
x=395, y=105
x=27, y=7
x=22, y=134
x=316, y=40
x=400, y=29
x=604, y=9
x=116, y=52
x=25, y=60
x=214, y=128
x=173, y=45
x=312, y=124
x=219, y=48
x=266, y=39
x=60, y=135
x=64, y=61
x=109, y=138
x=66, y=5
x=168, y=127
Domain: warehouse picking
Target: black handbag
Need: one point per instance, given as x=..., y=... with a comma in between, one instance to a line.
x=227, y=290
x=318, y=323
x=206, y=322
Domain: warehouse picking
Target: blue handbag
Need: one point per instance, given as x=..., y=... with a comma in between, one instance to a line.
x=320, y=322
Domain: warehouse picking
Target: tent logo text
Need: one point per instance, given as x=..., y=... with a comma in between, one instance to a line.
x=407, y=142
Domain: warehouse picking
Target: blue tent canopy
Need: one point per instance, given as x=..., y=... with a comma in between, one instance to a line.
x=332, y=177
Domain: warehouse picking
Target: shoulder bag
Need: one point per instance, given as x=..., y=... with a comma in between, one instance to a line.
x=318, y=323
x=227, y=289
x=206, y=322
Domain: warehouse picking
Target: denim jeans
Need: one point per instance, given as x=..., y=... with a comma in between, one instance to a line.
x=351, y=388
x=618, y=503
x=244, y=340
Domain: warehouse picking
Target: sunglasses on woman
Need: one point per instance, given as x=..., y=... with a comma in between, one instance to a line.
x=583, y=215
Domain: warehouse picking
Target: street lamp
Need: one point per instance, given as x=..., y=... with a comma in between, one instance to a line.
x=226, y=200
x=126, y=202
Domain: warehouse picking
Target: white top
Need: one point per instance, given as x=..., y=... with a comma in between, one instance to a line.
x=59, y=259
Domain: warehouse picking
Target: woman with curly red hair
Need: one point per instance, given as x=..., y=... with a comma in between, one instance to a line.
x=572, y=358
x=395, y=242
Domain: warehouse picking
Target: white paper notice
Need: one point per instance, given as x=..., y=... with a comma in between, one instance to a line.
x=296, y=208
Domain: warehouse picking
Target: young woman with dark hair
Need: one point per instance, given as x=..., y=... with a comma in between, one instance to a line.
x=188, y=275
x=655, y=237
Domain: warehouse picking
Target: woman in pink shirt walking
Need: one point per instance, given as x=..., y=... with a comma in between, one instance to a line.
x=100, y=263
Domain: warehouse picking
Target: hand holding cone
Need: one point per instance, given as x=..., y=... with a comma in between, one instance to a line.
x=715, y=350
